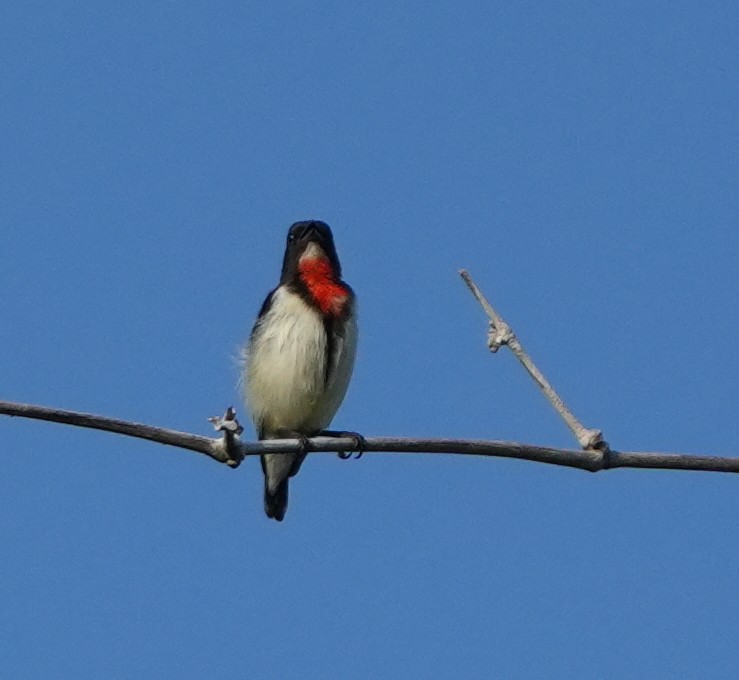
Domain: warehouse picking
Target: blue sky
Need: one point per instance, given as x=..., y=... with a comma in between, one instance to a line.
x=579, y=158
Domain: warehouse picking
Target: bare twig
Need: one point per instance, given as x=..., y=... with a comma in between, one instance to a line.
x=592, y=461
x=501, y=334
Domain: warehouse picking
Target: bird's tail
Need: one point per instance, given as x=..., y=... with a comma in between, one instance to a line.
x=275, y=502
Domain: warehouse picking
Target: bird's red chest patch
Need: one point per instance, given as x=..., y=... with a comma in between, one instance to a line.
x=319, y=278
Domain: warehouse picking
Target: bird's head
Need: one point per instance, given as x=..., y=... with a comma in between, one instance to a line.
x=309, y=241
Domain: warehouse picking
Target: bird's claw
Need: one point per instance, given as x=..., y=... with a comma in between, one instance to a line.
x=360, y=445
x=294, y=434
x=303, y=443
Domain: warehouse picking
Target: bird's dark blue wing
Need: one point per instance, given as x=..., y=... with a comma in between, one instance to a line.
x=266, y=306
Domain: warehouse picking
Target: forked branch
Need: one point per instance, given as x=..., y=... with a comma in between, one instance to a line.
x=501, y=334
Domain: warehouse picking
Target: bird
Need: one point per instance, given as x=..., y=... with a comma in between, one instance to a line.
x=300, y=355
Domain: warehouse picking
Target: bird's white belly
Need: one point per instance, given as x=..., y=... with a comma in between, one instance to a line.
x=286, y=368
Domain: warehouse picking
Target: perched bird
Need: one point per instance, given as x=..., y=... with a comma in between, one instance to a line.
x=300, y=354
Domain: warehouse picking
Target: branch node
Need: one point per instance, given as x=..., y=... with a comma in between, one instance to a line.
x=591, y=440
x=498, y=335
x=232, y=429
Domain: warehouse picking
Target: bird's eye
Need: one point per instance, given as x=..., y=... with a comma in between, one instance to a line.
x=290, y=238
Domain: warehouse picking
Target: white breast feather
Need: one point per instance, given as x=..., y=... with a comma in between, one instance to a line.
x=285, y=367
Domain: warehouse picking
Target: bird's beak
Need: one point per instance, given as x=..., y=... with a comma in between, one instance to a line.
x=311, y=234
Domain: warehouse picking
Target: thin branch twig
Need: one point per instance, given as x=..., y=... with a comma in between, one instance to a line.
x=592, y=461
x=193, y=442
x=502, y=334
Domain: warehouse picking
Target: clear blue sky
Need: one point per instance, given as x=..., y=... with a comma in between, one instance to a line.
x=579, y=158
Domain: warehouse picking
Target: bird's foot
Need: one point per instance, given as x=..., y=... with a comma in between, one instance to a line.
x=303, y=443
x=293, y=434
x=360, y=444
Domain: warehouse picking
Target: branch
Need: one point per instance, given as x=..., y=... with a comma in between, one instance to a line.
x=502, y=334
x=183, y=440
x=232, y=453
